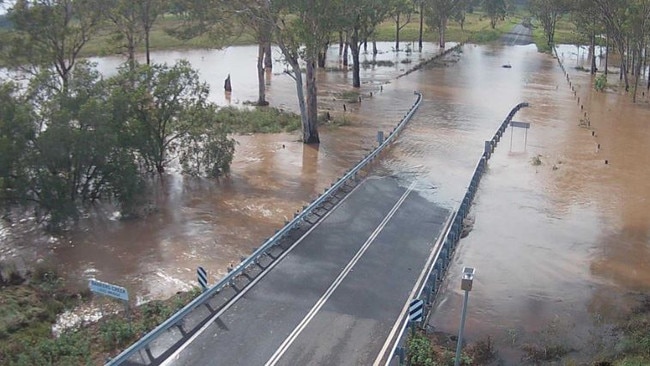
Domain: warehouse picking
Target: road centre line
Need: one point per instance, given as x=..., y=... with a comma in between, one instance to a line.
x=321, y=302
x=180, y=349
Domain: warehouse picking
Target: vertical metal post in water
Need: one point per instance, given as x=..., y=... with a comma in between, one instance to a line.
x=465, y=285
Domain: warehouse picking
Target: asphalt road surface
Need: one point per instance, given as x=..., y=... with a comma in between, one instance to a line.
x=337, y=295
x=519, y=35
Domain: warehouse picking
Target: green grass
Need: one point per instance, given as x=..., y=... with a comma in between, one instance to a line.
x=258, y=120
x=29, y=311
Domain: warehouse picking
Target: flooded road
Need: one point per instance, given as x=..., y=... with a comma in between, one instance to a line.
x=557, y=246
x=561, y=247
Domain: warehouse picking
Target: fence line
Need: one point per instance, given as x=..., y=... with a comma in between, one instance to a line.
x=253, y=259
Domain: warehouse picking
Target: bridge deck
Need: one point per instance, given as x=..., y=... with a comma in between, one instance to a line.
x=335, y=297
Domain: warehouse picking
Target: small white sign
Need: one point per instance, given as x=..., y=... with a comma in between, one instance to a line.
x=108, y=290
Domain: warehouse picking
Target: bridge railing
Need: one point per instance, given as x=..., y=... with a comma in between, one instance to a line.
x=253, y=259
x=451, y=235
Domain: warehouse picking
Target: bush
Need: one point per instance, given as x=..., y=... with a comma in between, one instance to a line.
x=256, y=120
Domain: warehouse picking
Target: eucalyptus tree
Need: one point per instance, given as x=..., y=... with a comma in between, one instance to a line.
x=359, y=21
x=438, y=13
x=548, y=12
x=638, y=30
x=125, y=16
x=587, y=21
x=401, y=12
x=252, y=14
x=300, y=28
x=615, y=16
x=149, y=11
x=52, y=33
x=496, y=10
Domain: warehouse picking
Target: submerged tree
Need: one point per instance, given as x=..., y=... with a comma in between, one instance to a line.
x=162, y=105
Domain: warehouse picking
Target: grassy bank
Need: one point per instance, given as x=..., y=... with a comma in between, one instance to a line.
x=30, y=304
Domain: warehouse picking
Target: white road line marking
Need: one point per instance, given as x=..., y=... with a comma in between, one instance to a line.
x=174, y=356
x=417, y=285
x=319, y=304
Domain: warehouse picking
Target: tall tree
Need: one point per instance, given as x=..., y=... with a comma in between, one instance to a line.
x=251, y=13
x=548, y=12
x=51, y=33
x=496, y=10
x=401, y=12
x=615, y=16
x=359, y=20
x=300, y=28
x=149, y=11
x=587, y=20
x=439, y=12
x=127, y=21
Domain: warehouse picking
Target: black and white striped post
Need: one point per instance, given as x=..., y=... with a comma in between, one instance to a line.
x=203, y=278
x=416, y=313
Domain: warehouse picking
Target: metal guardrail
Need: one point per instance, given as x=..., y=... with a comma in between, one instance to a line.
x=451, y=235
x=269, y=243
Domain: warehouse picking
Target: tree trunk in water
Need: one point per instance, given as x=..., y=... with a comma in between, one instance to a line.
x=297, y=74
x=146, y=46
x=322, y=56
x=397, y=33
x=261, y=51
x=310, y=134
x=340, y=43
x=365, y=45
x=592, y=51
x=374, y=48
x=421, y=24
x=606, y=53
x=345, y=52
x=268, y=56
x=354, y=48
x=441, y=31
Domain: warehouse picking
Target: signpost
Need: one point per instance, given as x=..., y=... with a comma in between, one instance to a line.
x=524, y=125
x=110, y=290
x=416, y=310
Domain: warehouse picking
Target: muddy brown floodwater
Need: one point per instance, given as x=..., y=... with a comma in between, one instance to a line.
x=561, y=248
x=557, y=246
x=215, y=223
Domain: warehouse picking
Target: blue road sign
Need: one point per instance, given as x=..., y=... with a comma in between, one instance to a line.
x=108, y=290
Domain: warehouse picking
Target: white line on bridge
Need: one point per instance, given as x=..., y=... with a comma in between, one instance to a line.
x=319, y=304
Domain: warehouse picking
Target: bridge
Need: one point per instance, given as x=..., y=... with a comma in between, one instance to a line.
x=330, y=288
